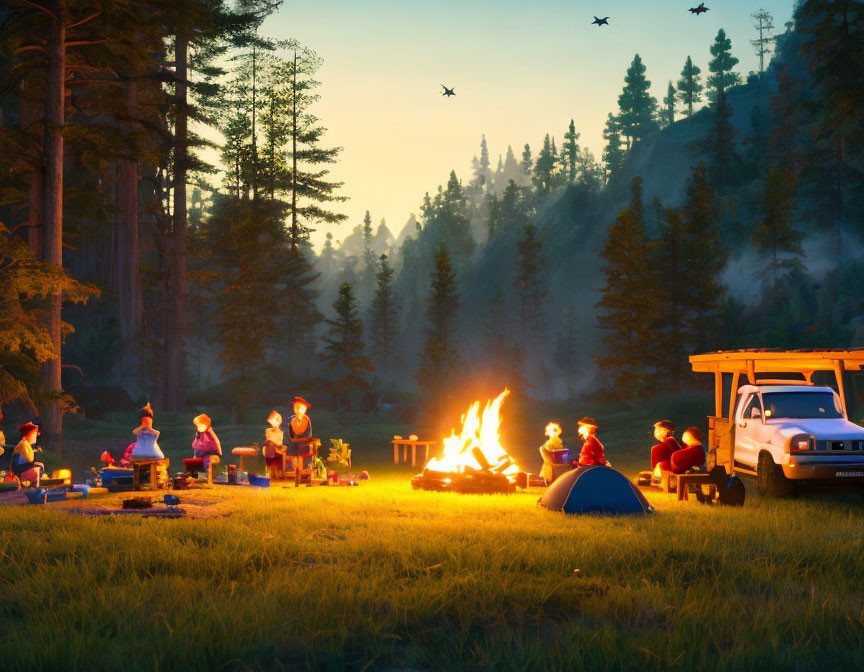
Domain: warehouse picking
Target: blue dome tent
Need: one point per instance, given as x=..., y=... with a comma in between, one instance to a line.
x=595, y=490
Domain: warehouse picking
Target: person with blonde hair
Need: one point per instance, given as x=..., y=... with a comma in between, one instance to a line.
x=547, y=451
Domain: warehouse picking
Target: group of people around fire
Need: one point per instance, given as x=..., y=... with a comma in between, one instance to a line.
x=667, y=455
x=206, y=447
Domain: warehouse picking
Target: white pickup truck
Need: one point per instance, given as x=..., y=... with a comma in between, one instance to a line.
x=793, y=435
x=786, y=431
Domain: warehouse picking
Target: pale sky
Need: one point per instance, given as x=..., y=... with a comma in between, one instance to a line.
x=520, y=69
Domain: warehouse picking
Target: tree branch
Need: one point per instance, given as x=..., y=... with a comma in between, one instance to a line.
x=39, y=7
x=83, y=21
x=30, y=47
x=83, y=67
x=80, y=42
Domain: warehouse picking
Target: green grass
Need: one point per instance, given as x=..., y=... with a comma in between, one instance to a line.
x=380, y=577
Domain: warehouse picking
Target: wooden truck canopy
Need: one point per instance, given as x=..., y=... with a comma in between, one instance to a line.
x=752, y=362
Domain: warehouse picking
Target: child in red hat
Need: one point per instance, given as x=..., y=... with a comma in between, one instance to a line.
x=24, y=464
x=299, y=427
x=592, y=449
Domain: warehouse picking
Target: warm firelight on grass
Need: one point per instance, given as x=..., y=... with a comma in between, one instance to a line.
x=477, y=447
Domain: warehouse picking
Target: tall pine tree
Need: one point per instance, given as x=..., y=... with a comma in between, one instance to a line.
x=776, y=237
x=570, y=154
x=530, y=286
x=690, y=86
x=343, y=349
x=722, y=77
x=707, y=260
x=440, y=355
x=667, y=114
x=384, y=319
x=614, y=154
x=628, y=301
x=637, y=107
x=544, y=167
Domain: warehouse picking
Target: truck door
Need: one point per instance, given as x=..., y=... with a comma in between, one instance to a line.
x=748, y=430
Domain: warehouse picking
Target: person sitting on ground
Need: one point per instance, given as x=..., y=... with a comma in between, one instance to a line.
x=273, y=449
x=692, y=455
x=205, y=444
x=24, y=464
x=664, y=432
x=592, y=450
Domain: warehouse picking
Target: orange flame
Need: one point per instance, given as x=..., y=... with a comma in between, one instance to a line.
x=479, y=431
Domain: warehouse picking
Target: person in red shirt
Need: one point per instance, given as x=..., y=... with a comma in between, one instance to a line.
x=661, y=454
x=692, y=455
x=592, y=450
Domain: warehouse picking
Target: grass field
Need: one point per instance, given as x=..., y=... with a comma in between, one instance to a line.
x=380, y=577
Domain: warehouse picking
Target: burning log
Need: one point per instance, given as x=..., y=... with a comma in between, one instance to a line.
x=476, y=482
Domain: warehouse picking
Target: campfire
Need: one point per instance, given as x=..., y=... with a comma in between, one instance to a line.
x=473, y=460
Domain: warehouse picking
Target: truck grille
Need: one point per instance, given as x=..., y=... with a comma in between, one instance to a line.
x=840, y=445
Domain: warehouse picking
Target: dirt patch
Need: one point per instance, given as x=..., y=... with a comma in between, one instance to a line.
x=193, y=504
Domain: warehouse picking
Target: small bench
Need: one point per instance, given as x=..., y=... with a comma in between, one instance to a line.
x=686, y=480
x=412, y=443
x=196, y=463
x=155, y=466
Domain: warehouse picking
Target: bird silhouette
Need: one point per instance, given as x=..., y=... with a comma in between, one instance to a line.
x=701, y=9
x=448, y=92
x=600, y=22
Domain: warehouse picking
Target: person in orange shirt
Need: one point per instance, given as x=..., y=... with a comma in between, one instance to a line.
x=299, y=427
x=592, y=449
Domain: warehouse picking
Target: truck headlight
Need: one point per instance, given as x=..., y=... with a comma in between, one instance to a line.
x=800, y=443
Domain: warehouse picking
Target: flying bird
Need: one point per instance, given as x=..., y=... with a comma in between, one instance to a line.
x=600, y=22
x=701, y=9
x=448, y=92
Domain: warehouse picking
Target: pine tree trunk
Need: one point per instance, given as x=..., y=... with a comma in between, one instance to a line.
x=34, y=219
x=174, y=389
x=51, y=414
x=31, y=114
x=129, y=275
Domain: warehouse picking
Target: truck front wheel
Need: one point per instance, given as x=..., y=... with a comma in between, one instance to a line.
x=770, y=481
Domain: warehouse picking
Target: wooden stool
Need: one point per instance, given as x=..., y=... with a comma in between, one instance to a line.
x=312, y=445
x=243, y=451
x=154, y=465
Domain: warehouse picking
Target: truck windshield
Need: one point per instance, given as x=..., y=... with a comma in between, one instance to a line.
x=801, y=405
